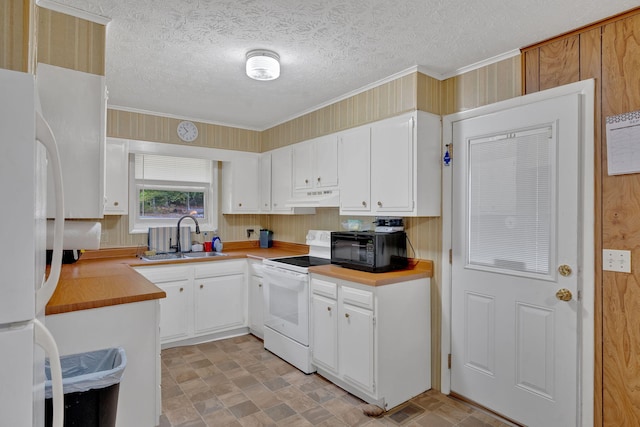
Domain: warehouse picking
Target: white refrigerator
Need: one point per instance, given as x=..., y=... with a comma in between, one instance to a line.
x=27, y=146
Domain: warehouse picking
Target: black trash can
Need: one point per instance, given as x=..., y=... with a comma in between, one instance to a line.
x=90, y=382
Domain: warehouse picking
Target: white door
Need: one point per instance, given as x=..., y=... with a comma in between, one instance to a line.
x=516, y=237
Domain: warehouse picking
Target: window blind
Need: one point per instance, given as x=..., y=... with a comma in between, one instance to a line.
x=168, y=168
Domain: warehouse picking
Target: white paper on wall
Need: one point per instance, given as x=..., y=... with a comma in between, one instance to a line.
x=623, y=143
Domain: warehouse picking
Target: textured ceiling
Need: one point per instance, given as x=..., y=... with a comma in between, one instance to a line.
x=186, y=57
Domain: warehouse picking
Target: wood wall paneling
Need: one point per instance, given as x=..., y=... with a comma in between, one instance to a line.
x=14, y=34
x=155, y=128
x=560, y=62
x=531, y=72
x=386, y=100
x=70, y=42
x=621, y=230
x=486, y=85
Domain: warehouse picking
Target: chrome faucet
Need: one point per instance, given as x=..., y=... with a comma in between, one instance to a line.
x=177, y=246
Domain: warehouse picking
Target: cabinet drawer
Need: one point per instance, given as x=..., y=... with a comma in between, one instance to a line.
x=165, y=274
x=327, y=289
x=219, y=268
x=357, y=297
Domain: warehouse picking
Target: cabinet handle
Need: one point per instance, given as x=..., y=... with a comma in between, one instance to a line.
x=115, y=203
x=260, y=284
x=201, y=286
x=318, y=179
x=328, y=308
x=346, y=315
x=379, y=204
x=306, y=181
x=181, y=289
x=240, y=204
x=364, y=204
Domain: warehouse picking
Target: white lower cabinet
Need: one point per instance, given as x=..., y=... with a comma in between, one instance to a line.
x=219, y=303
x=175, y=309
x=374, y=342
x=356, y=346
x=256, y=299
x=203, y=299
x=325, y=331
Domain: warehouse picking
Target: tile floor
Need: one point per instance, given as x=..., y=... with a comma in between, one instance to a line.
x=235, y=383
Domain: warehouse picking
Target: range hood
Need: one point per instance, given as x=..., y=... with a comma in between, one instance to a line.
x=315, y=199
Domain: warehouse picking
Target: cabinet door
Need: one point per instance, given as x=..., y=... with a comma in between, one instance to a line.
x=356, y=346
x=256, y=306
x=219, y=303
x=280, y=179
x=74, y=104
x=243, y=193
x=302, y=165
x=175, y=310
x=324, y=339
x=117, y=177
x=326, y=162
x=354, y=170
x=265, y=182
x=392, y=165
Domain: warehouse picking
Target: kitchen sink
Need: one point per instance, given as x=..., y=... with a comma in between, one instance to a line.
x=182, y=256
x=202, y=254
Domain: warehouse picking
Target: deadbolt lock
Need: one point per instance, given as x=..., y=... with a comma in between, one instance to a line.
x=564, y=270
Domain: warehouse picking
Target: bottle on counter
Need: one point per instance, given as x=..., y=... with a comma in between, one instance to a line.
x=216, y=243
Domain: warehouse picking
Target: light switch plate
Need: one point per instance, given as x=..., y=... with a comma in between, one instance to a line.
x=616, y=260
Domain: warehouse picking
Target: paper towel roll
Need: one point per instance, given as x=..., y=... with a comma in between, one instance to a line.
x=77, y=235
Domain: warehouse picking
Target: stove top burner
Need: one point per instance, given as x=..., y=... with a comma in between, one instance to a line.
x=303, y=261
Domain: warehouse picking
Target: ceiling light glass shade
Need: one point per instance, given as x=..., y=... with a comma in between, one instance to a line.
x=263, y=65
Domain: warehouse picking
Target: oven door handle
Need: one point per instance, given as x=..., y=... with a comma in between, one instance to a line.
x=279, y=272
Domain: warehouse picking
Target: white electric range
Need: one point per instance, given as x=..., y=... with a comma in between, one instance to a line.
x=288, y=302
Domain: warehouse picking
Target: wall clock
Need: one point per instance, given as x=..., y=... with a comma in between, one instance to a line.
x=187, y=131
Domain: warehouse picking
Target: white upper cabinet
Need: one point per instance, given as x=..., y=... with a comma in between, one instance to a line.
x=241, y=186
x=392, y=167
x=265, y=182
x=315, y=164
x=117, y=177
x=74, y=105
x=355, y=170
x=280, y=179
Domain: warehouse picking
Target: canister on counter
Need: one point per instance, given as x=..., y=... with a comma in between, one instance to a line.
x=266, y=238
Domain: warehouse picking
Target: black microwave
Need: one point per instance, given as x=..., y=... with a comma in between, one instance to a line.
x=371, y=251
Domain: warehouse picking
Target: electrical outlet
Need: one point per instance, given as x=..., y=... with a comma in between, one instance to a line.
x=616, y=260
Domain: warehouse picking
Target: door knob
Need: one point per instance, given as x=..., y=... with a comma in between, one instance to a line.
x=564, y=294
x=564, y=270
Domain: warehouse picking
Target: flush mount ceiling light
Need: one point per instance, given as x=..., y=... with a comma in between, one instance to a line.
x=263, y=65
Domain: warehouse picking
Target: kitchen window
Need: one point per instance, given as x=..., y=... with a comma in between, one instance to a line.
x=165, y=188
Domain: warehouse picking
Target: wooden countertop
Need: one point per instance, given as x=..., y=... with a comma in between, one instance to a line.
x=106, y=277
x=420, y=269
